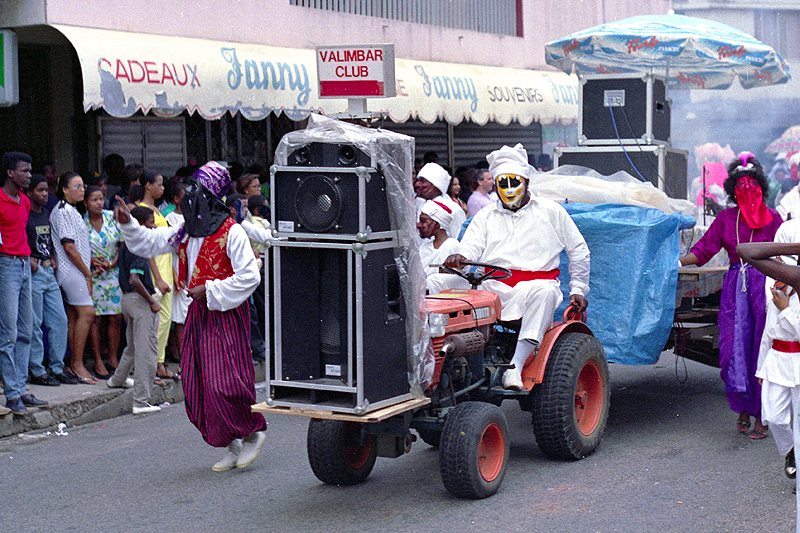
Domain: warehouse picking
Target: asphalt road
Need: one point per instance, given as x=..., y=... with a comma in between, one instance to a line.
x=671, y=461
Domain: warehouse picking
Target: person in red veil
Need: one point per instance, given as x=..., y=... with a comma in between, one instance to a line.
x=742, y=308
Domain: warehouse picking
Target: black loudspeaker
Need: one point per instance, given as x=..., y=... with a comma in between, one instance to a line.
x=317, y=333
x=651, y=161
x=630, y=118
x=319, y=192
x=328, y=155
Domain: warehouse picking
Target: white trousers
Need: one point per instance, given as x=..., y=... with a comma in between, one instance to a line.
x=533, y=301
x=780, y=406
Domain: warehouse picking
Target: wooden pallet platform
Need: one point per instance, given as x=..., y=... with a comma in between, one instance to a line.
x=373, y=416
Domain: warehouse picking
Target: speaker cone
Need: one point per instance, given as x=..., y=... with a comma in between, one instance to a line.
x=318, y=203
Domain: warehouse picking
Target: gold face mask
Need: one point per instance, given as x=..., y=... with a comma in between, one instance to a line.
x=511, y=189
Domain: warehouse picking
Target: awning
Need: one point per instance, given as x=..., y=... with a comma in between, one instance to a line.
x=127, y=72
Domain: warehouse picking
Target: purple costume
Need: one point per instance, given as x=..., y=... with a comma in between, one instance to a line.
x=741, y=313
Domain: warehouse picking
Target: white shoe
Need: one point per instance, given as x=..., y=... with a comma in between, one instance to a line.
x=126, y=385
x=251, y=447
x=228, y=461
x=146, y=409
x=512, y=380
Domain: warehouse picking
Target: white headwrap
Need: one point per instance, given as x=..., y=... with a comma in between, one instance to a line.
x=437, y=175
x=509, y=160
x=438, y=212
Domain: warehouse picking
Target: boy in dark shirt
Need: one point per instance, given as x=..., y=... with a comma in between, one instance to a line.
x=140, y=310
x=46, y=300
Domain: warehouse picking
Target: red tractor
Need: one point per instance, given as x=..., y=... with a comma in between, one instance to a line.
x=565, y=389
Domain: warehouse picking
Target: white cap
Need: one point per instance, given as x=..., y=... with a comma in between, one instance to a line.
x=509, y=160
x=439, y=212
x=437, y=175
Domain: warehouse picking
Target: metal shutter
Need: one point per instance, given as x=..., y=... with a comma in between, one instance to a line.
x=427, y=137
x=159, y=144
x=471, y=142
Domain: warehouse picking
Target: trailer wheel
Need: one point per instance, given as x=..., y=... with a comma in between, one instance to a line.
x=474, y=450
x=570, y=406
x=340, y=453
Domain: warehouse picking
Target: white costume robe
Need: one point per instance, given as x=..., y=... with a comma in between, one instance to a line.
x=531, y=239
x=434, y=256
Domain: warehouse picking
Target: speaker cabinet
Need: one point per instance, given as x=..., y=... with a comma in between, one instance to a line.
x=318, y=154
x=641, y=110
x=340, y=340
x=666, y=168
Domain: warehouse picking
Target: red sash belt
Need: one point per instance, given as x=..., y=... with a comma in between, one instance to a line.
x=527, y=275
x=786, y=346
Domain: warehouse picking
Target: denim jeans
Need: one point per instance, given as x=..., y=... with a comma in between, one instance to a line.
x=16, y=323
x=48, y=311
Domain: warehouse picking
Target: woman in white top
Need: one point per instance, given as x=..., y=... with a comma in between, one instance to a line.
x=73, y=257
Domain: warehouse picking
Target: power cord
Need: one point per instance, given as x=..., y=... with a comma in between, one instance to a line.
x=619, y=139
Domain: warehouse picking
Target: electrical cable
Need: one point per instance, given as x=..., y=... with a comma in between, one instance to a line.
x=619, y=139
x=638, y=145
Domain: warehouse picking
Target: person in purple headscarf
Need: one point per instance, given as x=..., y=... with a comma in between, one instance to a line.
x=742, y=308
x=218, y=270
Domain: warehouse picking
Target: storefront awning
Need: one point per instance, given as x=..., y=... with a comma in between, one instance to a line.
x=128, y=72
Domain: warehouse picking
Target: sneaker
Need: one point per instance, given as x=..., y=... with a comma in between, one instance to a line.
x=251, y=447
x=789, y=466
x=146, y=409
x=32, y=401
x=17, y=407
x=512, y=380
x=127, y=384
x=45, y=379
x=228, y=461
x=66, y=379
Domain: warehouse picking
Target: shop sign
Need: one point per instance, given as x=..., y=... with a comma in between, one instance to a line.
x=356, y=71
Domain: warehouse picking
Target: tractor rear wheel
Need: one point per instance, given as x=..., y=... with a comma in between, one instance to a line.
x=474, y=450
x=340, y=453
x=570, y=406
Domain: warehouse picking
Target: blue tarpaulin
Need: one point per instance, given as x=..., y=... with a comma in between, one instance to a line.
x=634, y=276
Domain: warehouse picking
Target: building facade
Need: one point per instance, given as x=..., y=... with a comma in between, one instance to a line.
x=169, y=83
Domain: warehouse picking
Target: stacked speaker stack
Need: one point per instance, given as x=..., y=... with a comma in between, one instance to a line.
x=339, y=340
x=624, y=124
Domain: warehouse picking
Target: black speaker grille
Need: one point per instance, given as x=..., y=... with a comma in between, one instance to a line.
x=318, y=203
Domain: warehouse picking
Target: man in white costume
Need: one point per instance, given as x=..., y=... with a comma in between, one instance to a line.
x=436, y=245
x=779, y=356
x=525, y=234
x=433, y=181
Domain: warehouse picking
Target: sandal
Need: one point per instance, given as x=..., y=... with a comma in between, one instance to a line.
x=165, y=373
x=759, y=434
x=82, y=381
x=743, y=424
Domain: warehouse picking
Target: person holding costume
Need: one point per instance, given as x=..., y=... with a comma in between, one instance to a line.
x=742, y=308
x=218, y=270
x=778, y=361
x=436, y=246
x=525, y=234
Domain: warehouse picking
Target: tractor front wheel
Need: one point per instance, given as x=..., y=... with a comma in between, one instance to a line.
x=570, y=406
x=340, y=453
x=474, y=450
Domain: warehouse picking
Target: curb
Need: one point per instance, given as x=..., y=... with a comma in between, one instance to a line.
x=86, y=409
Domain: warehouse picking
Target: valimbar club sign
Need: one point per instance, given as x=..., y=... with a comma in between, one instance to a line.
x=356, y=71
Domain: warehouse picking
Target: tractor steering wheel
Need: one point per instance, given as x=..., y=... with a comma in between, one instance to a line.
x=474, y=278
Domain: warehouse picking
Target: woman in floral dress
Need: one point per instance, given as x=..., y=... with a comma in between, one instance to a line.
x=104, y=238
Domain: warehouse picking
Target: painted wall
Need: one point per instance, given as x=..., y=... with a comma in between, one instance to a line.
x=275, y=22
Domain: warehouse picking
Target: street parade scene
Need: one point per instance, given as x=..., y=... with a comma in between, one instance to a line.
x=496, y=265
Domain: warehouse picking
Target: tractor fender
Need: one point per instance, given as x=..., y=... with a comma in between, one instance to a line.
x=533, y=371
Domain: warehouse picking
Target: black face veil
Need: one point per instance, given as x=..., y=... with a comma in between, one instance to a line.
x=203, y=212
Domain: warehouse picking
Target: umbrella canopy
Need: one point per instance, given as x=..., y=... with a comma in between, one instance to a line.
x=788, y=142
x=691, y=53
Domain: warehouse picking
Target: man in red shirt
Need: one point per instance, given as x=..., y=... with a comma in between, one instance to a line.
x=16, y=312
